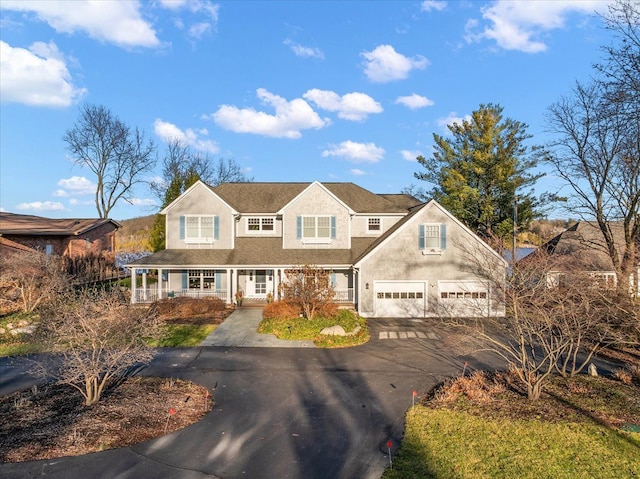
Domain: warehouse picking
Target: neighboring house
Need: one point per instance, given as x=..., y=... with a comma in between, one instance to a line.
x=389, y=255
x=581, y=249
x=64, y=237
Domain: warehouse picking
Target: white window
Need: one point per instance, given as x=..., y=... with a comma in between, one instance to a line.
x=316, y=226
x=201, y=279
x=374, y=224
x=432, y=238
x=259, y=224
x=199, y=228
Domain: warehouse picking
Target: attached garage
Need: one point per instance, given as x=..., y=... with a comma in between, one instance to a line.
x=400, y=299
x=463, y=298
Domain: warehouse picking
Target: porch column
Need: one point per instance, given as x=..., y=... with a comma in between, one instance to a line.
x=144, y=285
x=159, y=283
x=279, y=282
x=133, y=285
x=229, y=275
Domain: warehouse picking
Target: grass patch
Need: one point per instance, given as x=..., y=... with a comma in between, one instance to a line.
x=176, y=335
x=483, y=428
x=441, y=443
x=303, y=329
x=15, y=344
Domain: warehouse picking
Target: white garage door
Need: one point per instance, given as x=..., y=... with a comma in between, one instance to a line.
x=463, y=298
x=400, y=299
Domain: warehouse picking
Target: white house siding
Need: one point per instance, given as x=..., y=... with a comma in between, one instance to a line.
x=200, y=201
x=316, y=201
x=398, y=258
x=360, y=223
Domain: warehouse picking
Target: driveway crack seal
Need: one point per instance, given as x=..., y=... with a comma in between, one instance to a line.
x=173, y=466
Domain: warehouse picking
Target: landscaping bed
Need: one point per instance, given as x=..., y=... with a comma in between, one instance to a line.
x=51, y=421
x=287, y=324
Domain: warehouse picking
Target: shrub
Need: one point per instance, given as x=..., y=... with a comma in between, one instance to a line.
x=281, y=309
x=183, y=308
x=479, y=386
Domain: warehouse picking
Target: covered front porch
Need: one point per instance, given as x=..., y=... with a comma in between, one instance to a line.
x=231, y=285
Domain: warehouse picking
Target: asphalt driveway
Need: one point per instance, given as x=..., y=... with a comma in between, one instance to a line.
x=281, y=412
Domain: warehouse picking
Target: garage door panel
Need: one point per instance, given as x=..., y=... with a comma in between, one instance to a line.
x=398, y=299
x=463, y=298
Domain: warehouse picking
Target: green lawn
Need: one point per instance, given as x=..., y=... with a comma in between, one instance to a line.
x=441, y=443
x=11, y=345
x=176, y=335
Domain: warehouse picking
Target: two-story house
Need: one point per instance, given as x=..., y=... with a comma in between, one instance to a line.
x=389, y=255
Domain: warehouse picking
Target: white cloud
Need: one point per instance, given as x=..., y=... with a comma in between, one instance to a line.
x=142, y=202
x=76, y=185
x=384, y=64
x=452, y=118
x=37, y=76
x=207, y=19
x=119, y=23
x=169, y=132
x=290, y=117
x=428, y=5
x=197, y=30
x=60, y=194
x=352, y=106
x=41, y=206
x=357, y=172
x=521, y=25
x=302, y=51
x=356, y=152
x=414, y=101
x=410, y=155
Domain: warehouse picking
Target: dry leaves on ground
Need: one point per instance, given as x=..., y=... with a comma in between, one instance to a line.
x=51, y=421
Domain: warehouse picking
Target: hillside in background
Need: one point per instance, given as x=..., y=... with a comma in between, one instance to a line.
x=134, y=234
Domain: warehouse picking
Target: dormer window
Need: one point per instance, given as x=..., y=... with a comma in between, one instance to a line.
x=373, y=225
x=260, y=224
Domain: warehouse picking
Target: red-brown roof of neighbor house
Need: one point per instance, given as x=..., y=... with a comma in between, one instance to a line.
x=7, y=244
x=15, y=224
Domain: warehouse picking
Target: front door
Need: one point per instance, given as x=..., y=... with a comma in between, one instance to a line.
x=259, y=283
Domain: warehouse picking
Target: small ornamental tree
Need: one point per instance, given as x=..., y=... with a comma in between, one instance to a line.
x=99, y=337
x=309, y=287
x=28, y=279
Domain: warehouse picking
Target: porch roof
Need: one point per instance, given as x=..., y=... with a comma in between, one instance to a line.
x=254, y=252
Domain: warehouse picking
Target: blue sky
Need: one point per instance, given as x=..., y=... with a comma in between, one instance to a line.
x=292, y=91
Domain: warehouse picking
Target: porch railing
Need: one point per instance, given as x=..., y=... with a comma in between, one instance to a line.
x=343, y=295
x=150, y=295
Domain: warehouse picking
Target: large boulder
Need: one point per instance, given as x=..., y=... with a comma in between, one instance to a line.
x=335, y=330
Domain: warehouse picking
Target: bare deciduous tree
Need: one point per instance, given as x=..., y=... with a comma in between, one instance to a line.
x=554, y=322
x=597, y=144
x=28, y=279
x=181, y=168
x=310, y=287
x=115, y=153
x=99, y=337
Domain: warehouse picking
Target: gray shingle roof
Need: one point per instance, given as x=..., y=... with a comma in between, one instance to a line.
x=271, y=197
x=255, y=252
x=583, y=245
